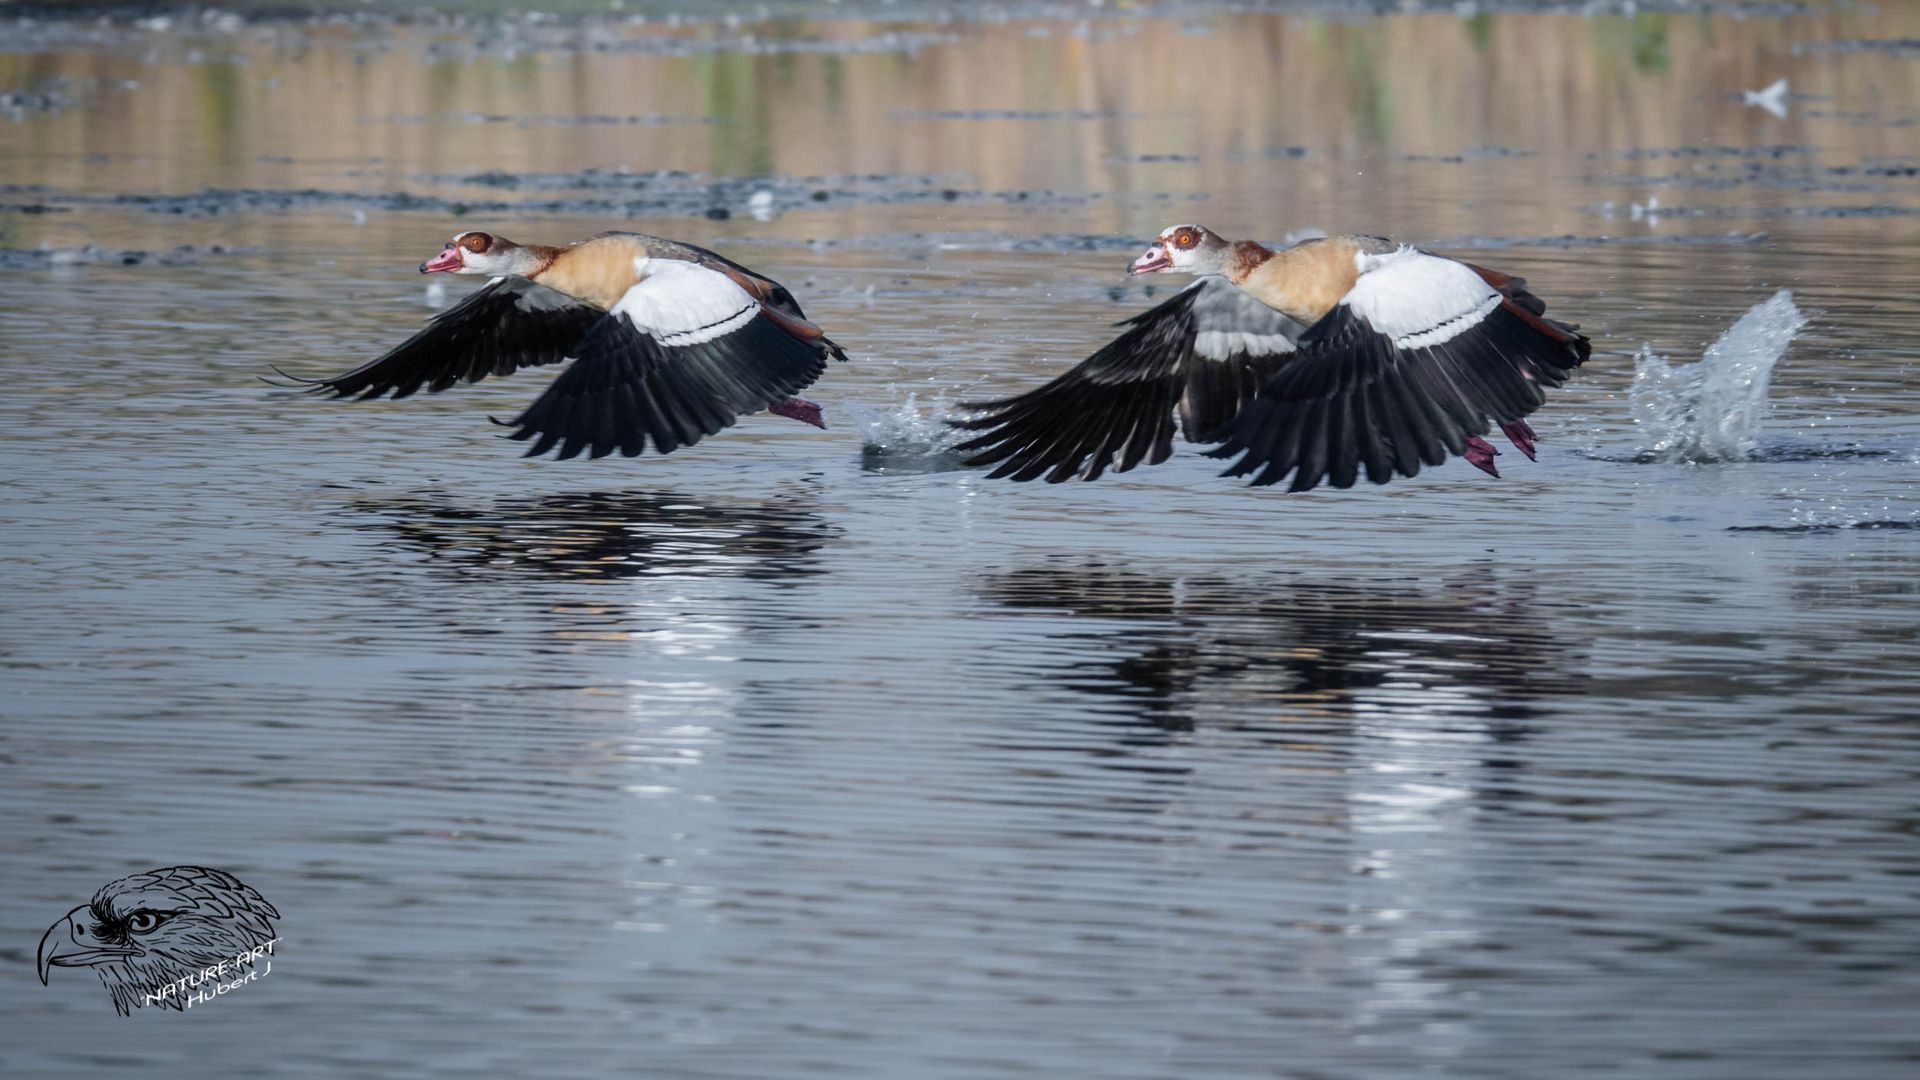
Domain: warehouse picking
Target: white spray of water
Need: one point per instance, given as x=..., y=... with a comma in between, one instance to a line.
x=1712, y=410
x=907, y=436
x=907, y=428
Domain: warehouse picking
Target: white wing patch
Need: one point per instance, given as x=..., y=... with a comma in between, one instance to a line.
x=1417, y=299
x=1221, y=344
x=681, y=303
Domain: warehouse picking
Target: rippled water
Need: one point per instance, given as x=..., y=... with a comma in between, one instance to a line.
x=808, y=753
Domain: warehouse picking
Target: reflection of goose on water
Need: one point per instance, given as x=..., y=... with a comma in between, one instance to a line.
x=611, y=534
x=1336, y=357
x=1311, y=649
x=671, y=342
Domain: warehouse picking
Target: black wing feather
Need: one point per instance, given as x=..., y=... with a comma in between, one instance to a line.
x=497, y=330
x=1349, y=397
x=627, y=384
x=1117, y=408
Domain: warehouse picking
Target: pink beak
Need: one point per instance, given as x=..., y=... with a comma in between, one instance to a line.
x=1156, y=258
x=446, y=260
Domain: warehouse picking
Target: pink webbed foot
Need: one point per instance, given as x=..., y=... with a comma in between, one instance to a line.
x=1481, y=453
x=799, y=409
x=1522, y=437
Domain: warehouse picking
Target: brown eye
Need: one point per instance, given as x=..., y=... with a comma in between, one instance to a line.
x=476, y=242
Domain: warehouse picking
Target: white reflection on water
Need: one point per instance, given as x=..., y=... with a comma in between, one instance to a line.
x=1420, y=744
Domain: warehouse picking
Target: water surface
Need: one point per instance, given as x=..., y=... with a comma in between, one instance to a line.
x=806, y=753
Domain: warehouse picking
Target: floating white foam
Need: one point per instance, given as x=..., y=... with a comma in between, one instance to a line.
x=1712, y=410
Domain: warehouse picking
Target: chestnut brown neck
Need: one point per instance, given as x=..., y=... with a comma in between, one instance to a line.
x=546, y=253
x=1244, y=258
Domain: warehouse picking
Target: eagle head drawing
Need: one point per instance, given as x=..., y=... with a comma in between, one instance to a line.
x=146, y=931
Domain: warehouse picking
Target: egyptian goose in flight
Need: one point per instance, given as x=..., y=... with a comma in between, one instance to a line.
x=670, y=342
x=1324, y=359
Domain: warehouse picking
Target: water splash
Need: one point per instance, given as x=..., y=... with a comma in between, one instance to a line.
x=908, y=438
x=1712, y=410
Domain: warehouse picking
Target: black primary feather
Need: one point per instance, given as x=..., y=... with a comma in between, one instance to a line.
x=625, y=384
x=500, y=328
x=1418, y=405
x=1117, y=408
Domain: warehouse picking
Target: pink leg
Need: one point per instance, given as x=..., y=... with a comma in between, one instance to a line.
x=1482, y=453
x=1522, y=437
x=799, y=409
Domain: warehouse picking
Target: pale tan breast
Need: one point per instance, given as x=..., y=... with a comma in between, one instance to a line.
x=599, y=271
x=1306, y=280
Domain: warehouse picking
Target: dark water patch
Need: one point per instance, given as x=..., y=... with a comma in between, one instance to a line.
x=1657, y=152
x=1803, y=178
x=1851, y=46
x=1569, y=240
x=1471, y=644
x=1786, y=453
x=1903, y=169
x=32, y=208
x=56, y=95
x=212, y=202
x=19, y=104
x=871, y=186
x=47, y=258
x=958, y=240
x=606, y=534
x=463, y=29
x=1011, y=114
x=906, y=42
x=525, y=120
x=896, y=460
x=1845, y=116
x=588, y=179
x=718, y=198
x=1773, y=454
x=1004, y=241
x=1156, y=159
x=1831, y=527
x=1804, y=183
x=1477, y=153
x=738, y=33
x=1270, y=153
x=1655, y=211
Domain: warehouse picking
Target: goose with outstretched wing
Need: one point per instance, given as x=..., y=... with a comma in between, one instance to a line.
x=1332, y=358
x=670, y=342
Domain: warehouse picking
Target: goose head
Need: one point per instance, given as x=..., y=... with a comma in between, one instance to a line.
x=483, y=253
x=1184, y=249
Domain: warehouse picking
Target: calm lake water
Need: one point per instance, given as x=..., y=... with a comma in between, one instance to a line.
x=807, y=753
